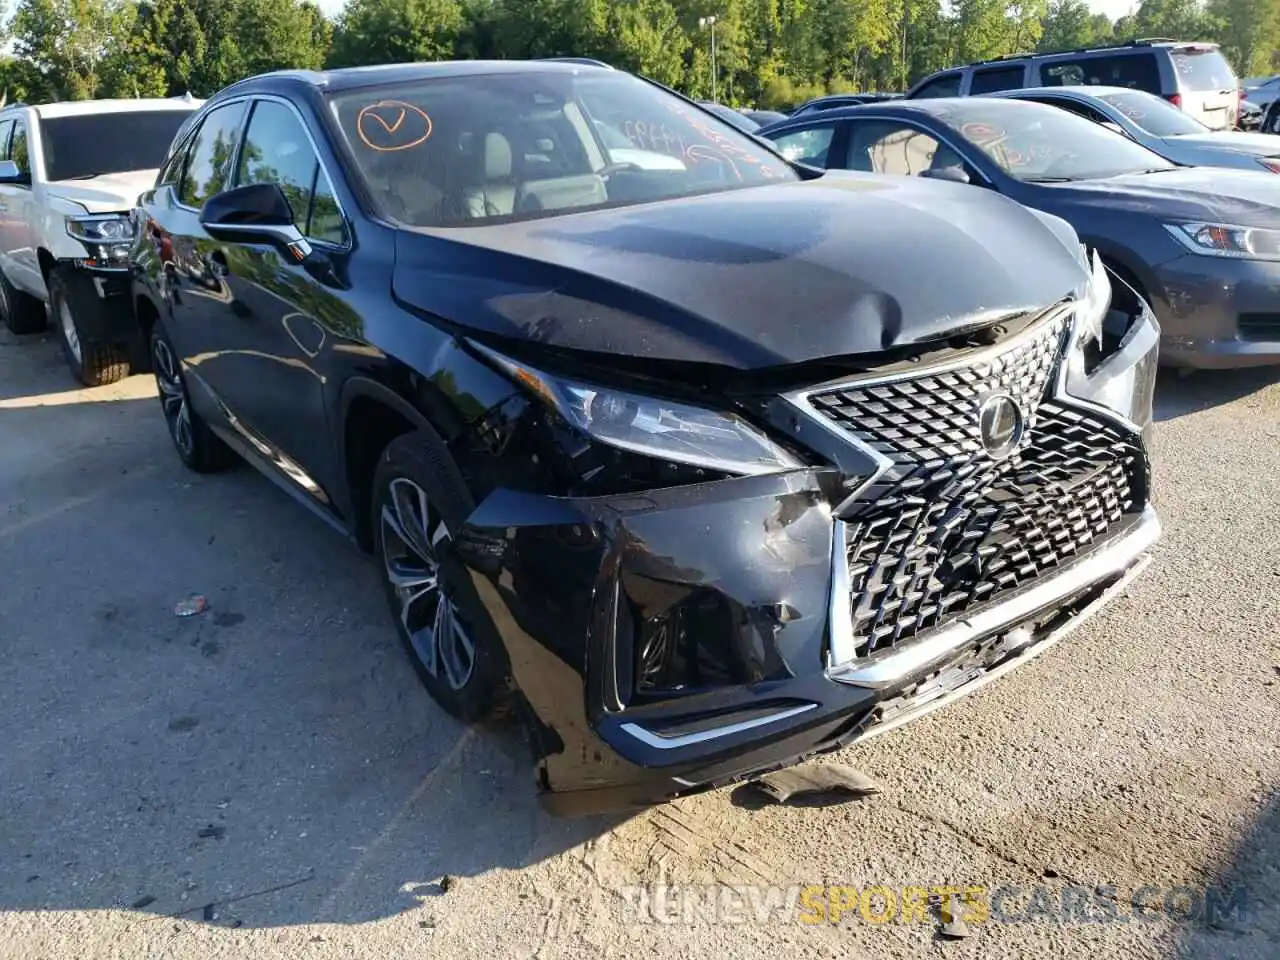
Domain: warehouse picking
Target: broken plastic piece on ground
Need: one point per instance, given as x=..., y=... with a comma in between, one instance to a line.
x=953, y=925
x=815, y=785
x=191, y=606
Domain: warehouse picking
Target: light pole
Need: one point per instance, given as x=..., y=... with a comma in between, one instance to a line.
x=709, y=23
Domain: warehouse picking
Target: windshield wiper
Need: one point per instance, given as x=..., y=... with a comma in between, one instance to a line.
x=1048, y=179
x=89, y=176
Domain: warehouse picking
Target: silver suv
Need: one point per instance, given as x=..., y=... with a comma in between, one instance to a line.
x=1193, y=76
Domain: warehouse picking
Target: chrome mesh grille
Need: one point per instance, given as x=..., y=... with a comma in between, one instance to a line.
x=946, y=527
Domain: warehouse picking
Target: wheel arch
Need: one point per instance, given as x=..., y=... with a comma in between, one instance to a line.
x=370, y=416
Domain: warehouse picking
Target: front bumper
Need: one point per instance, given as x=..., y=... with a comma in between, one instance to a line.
x=765, y=577
x=1219, y=313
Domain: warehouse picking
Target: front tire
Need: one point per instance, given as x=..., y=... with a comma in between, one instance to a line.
x=199, y=448
x=420, y=502
x=93, y=362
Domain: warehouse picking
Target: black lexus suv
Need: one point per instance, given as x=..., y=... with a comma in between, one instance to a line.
x=702, y=461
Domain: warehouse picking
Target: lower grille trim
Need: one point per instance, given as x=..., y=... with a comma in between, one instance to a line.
x=896, y=664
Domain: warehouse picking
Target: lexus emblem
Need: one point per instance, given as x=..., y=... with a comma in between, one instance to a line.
x=1000, y=425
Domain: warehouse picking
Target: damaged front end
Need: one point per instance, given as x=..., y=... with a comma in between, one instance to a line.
x=691, y=591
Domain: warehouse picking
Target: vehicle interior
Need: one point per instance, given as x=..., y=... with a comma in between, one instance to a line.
x=509, y=151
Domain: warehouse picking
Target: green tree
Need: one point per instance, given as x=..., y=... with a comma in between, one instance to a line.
x=66, y=42
x=1249, y=31
x=396, y=31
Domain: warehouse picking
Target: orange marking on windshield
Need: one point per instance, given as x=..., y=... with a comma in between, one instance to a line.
x=382, y=126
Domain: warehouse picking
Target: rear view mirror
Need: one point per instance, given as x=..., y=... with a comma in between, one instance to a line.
x=954, y=174
x=9, y=173
x=254, y=213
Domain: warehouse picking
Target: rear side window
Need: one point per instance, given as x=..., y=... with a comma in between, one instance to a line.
x=1137, y=71
x=6, y=128
x=948, y=86
x=996, y=78
x=1203, y=70
x=209, y=169
x=18, y=147
x=810, y=146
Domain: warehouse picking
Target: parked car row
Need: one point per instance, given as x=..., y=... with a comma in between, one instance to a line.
x=703, y=454
x=1199, y=244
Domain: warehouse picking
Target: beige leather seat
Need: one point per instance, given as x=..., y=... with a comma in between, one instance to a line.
x=495, y=195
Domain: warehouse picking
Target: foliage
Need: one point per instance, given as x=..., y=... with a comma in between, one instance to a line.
x=768, y=52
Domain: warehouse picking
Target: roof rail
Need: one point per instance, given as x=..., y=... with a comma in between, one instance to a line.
x=1127, y=44
x=585, y=61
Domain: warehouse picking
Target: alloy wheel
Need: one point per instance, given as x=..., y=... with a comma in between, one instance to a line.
x=69, y=332
x=413, y=537
x=173, y=396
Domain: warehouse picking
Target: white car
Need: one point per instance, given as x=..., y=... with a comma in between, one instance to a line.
x=70, y=176
x=1161, y=127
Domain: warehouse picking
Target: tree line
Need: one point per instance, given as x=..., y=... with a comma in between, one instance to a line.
x=769, y=53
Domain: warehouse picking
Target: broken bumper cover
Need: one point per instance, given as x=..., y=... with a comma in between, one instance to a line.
x=596, y=759
x=685, y=638
x=877, y=696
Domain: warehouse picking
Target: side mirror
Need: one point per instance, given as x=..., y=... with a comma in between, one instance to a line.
x=254, y=213
x=9, y=173
x=954, y=174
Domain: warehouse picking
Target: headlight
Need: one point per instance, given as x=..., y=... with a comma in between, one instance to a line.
x=1225, y=240
x=106, y=237
x=112, y=228
x=1124, y=379
x=661, y=429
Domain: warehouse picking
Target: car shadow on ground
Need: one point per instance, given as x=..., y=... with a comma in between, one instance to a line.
x=1236, y=915
x=270, y=761
x=1180, y=394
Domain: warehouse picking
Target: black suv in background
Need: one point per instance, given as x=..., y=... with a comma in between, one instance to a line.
x=1193, y=76
x=666, y=444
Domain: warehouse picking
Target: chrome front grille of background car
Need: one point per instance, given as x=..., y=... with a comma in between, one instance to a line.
x=946, y=528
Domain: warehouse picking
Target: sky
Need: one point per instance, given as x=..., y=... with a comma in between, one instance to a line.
x=1112, y=8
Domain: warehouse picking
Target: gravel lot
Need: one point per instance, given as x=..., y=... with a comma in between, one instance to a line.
x=268, y=780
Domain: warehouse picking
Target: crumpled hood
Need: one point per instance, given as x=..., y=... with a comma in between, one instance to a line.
x=838, y=266
x=1256, y=144
x=1215, y=194
x=109, y=193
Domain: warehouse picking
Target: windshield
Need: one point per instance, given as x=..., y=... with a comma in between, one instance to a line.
x=730, y=115
x=1203, y=70
x=471, y=150
x=1033, y=142
x=1158, y=117
x=94, y=144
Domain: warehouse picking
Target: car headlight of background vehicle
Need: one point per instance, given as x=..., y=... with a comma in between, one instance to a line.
x=1113, y=356
x=106, y=237
x=1226, y=240
x=661, y=429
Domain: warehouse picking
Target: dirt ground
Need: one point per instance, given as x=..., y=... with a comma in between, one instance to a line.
x=267, y=779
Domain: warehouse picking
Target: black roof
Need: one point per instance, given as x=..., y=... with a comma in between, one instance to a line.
x=351, y=78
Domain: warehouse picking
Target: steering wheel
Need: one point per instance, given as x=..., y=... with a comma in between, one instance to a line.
x=624, y=166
